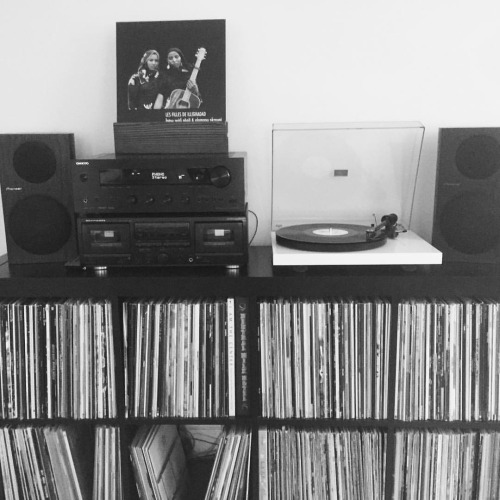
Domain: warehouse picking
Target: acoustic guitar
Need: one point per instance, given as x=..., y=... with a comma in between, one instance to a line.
x=184, y=98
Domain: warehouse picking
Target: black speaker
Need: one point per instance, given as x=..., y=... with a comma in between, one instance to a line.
x=36, y=195
x=467, y=203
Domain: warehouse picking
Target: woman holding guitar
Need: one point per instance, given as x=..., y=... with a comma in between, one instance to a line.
x=179, y=85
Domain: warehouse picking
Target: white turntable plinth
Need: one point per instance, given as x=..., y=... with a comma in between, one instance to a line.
x=407, y=249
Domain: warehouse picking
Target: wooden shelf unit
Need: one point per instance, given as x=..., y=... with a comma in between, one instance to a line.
x=258, y=280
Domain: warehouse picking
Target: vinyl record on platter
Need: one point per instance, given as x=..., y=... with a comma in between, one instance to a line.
x=328, y=237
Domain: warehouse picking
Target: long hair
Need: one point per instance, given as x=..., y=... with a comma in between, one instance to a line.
x=145, y=57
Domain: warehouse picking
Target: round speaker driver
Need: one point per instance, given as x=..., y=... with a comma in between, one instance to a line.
x=35, y=162
x=39, y=224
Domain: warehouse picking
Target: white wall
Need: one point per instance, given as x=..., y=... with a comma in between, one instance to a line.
x=435, y=61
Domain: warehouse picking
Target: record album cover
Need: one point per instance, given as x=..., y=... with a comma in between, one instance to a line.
x=171, y=71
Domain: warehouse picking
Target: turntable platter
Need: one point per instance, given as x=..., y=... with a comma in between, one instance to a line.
x=327, y=237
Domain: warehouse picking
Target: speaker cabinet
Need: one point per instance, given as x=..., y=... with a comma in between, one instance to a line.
x=36, y=195
x=467, y=202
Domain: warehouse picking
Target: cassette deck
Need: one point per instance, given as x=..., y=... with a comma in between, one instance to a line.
x=187, y=240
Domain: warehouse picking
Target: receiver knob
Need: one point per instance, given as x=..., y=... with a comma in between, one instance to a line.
x=220, y=176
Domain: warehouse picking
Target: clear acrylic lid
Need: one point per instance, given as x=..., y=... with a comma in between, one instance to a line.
x=344, y=172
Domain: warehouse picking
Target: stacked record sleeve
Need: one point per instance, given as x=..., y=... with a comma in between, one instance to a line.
x=57, y=359
x=185, y=358
x=322, y=463
x=325, y=358
x=170, y=138
x=447, y=360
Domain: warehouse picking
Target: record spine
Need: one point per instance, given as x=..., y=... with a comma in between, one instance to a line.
x=241, y=355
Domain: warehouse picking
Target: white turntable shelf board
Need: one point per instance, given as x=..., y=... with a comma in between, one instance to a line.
x=408, y=248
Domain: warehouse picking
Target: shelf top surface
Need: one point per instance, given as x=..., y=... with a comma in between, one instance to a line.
x=260, y=265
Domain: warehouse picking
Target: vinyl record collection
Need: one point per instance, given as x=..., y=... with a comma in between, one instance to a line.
x=159, y=462
x=162, y=458
x=324, y=359
x=441, y=464
x=186, y=358
x=43, y=462
x=57, y=359
x=489, y=451
x=230, y=475
x=52, y=462
x=447, y=360
x=321, y=463
x=107, y=484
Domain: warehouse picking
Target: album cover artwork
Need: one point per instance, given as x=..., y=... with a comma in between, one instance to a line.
x=171, y=71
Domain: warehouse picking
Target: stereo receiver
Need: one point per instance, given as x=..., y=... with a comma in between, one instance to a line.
x=155, y=184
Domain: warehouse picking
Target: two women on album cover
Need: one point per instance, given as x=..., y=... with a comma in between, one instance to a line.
x=152, y=87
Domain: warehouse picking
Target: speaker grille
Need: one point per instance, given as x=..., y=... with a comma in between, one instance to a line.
x=464, y=223
x=35, y=162
x=478, y=157
x=40, y=224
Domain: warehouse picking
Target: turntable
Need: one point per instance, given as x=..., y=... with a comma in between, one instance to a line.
x=343, y=194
